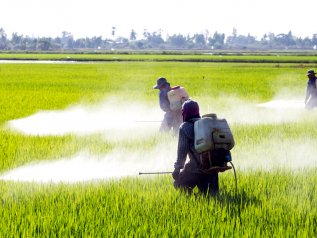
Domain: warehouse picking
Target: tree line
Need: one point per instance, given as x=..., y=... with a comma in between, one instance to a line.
x=154, y=40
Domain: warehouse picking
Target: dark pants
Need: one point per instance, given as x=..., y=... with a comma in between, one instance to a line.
x=206, y=183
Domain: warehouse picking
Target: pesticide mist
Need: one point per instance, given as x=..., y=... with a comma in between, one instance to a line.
x=86, y=167
x=276, y=111
x=112, y=117
x=117, y=121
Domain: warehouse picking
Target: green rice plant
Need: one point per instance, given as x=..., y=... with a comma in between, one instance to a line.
x=26, y=88
x=271, y=201
x=279, y=204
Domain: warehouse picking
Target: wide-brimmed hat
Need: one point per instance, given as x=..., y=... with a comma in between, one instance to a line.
x=160, y=82
x=311, y=72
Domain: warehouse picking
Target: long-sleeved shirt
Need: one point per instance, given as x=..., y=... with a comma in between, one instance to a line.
x=186, y=146
x=164, y=102
x=311, y=91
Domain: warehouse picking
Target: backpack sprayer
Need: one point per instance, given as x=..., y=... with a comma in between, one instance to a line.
x=213, y=141
x=176, y=97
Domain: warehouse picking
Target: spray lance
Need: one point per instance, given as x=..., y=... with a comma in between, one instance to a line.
x=212, y=169
x=213, y=138
x=164, y=172
x=147, y=121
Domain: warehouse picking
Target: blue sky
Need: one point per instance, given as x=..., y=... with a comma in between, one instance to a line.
x=97, y=17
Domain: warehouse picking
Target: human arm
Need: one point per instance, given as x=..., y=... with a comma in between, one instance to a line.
x=164, y=102
x=182, y=150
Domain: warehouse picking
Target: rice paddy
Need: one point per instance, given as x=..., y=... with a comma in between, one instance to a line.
x=52, y=184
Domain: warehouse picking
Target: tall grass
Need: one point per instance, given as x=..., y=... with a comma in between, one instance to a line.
x=267, y=204
x=26, y=88
x=276, y=203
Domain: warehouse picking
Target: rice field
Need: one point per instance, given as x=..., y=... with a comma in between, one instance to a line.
x=274, y=154
x=169, y=56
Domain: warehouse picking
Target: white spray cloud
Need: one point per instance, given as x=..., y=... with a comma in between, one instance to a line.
x=283, y=108
x=272, y=112
x=285, y=99
x=283, y=104
x=112, y=117
x=294, y=154
x=270, y=155
x=85, y=167
x=118, y=121
x=275, y=154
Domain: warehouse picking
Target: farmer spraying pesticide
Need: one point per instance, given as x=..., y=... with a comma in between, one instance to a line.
x=311, y=91
x=171, y=100
x=207, y=141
